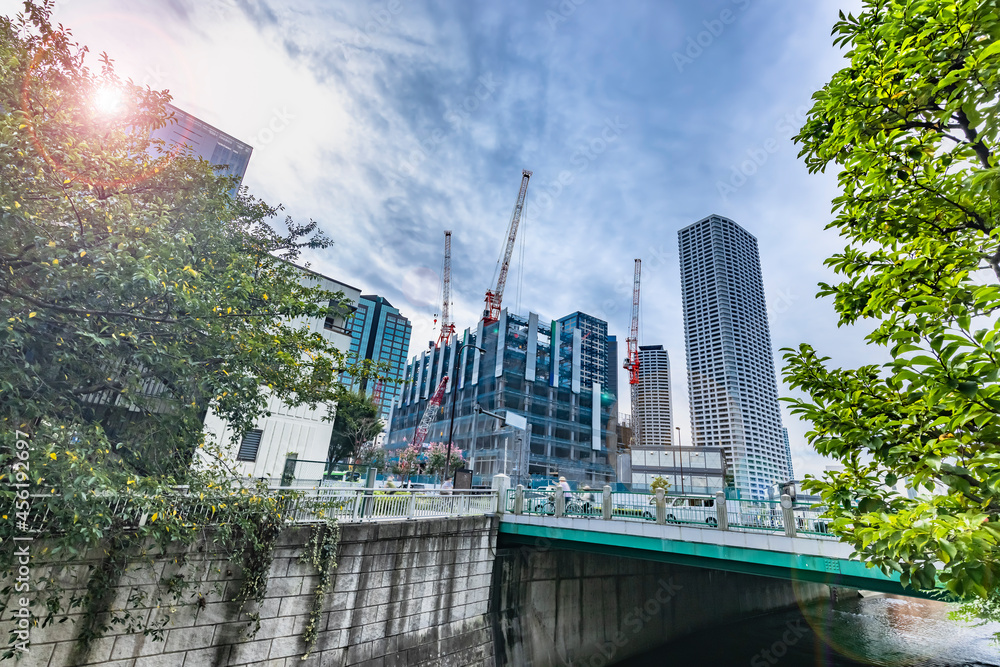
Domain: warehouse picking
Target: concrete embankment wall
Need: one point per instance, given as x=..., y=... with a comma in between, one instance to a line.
x=555, y=608
x=405, y=593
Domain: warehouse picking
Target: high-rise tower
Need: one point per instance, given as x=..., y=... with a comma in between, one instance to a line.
x=380, y=333
x=655, y=404
x=731, y=382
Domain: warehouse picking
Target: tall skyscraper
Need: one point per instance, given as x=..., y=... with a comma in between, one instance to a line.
x=380, y=333
x=654, y=408
x=788, y=453
x=731, y=382
x=205, y=141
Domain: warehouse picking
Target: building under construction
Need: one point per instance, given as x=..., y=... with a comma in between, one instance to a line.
x=534, y=368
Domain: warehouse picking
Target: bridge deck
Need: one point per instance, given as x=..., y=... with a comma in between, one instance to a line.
x=771, y=555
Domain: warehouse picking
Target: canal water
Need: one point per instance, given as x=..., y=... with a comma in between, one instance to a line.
x=882, y=630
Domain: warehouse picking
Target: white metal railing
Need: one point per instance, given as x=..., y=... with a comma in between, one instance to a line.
x=362, y=504
x=778, y=516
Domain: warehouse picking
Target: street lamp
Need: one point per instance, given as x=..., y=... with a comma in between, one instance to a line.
x=454, y=399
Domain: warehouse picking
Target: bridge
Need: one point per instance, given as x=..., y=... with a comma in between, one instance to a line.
x=765, y=538
x=500, y=577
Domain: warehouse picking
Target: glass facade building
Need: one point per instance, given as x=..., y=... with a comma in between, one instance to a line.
x=206, y=142
x=596, y=364
x=380, y=333
x=531, y=368
x=731, y=381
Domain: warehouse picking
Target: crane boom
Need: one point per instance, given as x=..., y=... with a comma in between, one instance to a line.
x=494, y=296
x=632, y=360
x=430, y=413
x=447, y=326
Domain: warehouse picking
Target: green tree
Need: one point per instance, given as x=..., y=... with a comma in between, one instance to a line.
x=135, y=292
x=436, y=459
x=911, y=125
x=659, y=483
x=356, y=424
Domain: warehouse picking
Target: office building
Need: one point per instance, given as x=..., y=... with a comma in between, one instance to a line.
x=531, y=368
x=788, y=453
x=690, y=470
x=380, y=333
x=654, y=406
x=731, y=381
x=596, y=364
x=205, y=141
x=614, y=363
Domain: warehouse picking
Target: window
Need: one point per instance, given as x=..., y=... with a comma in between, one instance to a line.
x=249, y=445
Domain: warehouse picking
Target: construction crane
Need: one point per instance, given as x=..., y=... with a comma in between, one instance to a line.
x=447, y=326
x=429, y=414
x=632, y=360
x=494, y=296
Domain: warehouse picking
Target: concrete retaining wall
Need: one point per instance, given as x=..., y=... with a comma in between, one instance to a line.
x=405, y=593
x=588, y=610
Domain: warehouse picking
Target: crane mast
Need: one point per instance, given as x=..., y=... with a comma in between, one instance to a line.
x=447, y=326
x=632, y=360
x=420, y=434
x=494, y=296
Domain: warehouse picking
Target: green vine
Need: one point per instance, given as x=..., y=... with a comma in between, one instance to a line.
x=321, y=552
x=255, y=553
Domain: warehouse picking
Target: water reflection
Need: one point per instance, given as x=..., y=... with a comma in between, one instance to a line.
x=882, y=630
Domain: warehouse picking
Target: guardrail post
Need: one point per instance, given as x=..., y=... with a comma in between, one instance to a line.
x=607, y=508
x=560, y=501
x=357, y=504
x=721, y=513
x=788, y=515
x=411, y=511
x=661, y=507
x=500, y=485
x=519, y=499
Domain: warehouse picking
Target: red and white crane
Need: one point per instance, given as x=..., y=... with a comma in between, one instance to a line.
x=447, y=326
x=494, y=296
x=632, y=360
x=430, y=413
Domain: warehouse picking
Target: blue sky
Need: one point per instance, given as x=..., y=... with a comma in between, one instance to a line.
x=391, y=121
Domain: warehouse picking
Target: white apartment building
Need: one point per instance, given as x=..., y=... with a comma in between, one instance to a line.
x=731, y=380
x=296, y=438
x=654, y=408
